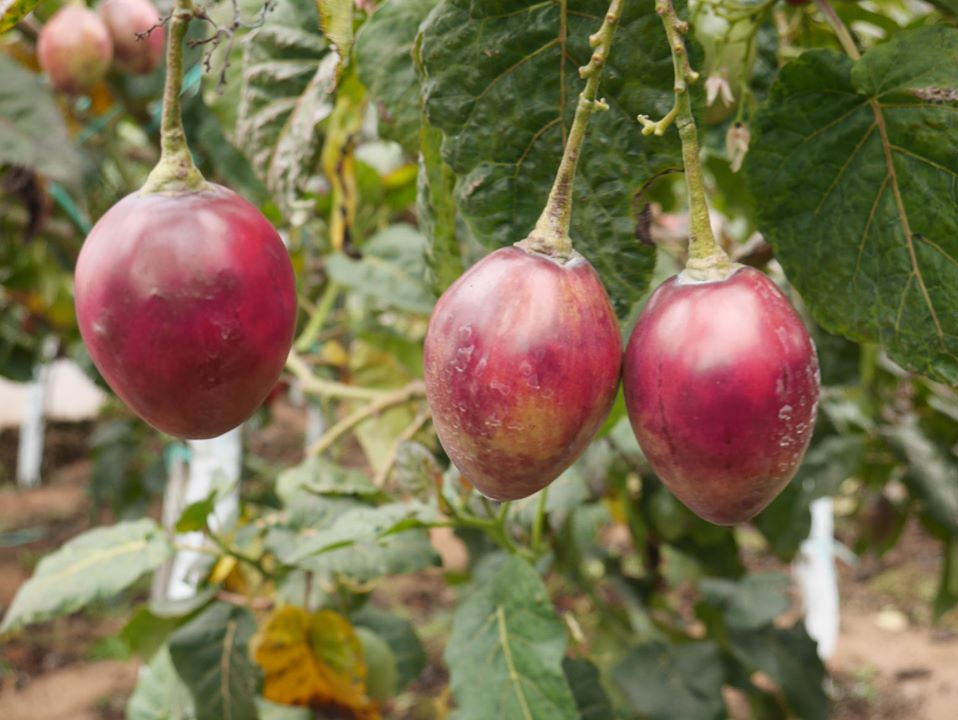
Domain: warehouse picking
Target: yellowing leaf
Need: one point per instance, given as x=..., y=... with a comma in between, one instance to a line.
x=338, y=160
x=313, y=659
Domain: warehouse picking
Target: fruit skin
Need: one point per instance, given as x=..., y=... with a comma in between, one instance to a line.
x=125, y=18
x=522, y=360
x=75, y=49
x=187, y=305
x=721, y=384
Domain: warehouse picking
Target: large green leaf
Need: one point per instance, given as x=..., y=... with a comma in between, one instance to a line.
x=322, y=477
x=790, y=659
x=160, y=694
x=665, y=682
x=211, y=656
x=97, y=564
x=288, y=75
x=12, y=11
x=391, y=271
x=436, y=211
x=385, y=64
x=501, y=81
x=505, y=652
x=32, y=132
x=854, y=169
x=752, y=602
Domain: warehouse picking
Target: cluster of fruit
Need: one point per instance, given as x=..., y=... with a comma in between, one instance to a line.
x=523, y=359
x=77, y=45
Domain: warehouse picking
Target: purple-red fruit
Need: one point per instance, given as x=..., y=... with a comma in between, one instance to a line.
x=187, y=305
x=721, y=383
x=522, y=360
x=75, y=49
x=124, y=19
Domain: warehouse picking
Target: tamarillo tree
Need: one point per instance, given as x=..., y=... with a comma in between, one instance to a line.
x=430, y=165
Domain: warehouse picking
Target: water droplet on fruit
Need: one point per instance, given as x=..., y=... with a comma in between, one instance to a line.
x=530, y=375
x=786, y=441
x=465, y=332
x=785, y=413
x=481, y=365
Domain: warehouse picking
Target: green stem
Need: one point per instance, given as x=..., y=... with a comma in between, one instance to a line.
x=707, y=260
x=551, y=233
x=539, y=520
x=175, y=172
x=841, y=32
x=318, y=318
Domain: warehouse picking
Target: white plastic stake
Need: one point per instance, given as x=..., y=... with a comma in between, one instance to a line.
x=817, y=578
x=211, y=464
x=33, y=423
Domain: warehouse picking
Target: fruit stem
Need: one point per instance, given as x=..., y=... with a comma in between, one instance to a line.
x=841, y=32
x=707, y=260
x=175, y=172
x=551, y=233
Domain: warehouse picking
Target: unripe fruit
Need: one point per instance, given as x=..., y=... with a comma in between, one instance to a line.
x=187, y=305
x=721, y=384
x=522, y=360
x=75, y=49
x=124, y=19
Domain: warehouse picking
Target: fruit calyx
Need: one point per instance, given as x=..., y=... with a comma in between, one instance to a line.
x=175, y=172
x=711, y=268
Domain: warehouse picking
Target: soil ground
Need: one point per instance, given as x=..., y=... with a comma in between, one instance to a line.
x=891, y=662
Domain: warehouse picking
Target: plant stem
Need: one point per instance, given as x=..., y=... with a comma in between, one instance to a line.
x=551, y=233
x=175, y=172
x=707, y=261
x=317, y=318
x=539, y=520
x=418, y=422
x=310, y=383
x=841, y=32
x=391, y=399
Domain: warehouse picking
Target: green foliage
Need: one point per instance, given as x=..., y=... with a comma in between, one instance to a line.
x=98, y=564
x=160, y=694
x=502, y=85
x=211, y=656
x=12, y=11
x=855, y=169
x=407, y=649
x=32, y=132
x=505, y=652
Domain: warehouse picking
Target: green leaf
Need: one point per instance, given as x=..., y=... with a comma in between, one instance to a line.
x=193, y=518
x=322, y=477
x=32, y=132
x=211, y=655
x=789, y=657
x=13, y=11
x=384, y=46
x=288, y=75
x=947, y=596
x=391, y=271
x=752, y=602
x=930, y=472
x=505, y=652
x=401, y=637
x=436, y=209
x=787, y=521
x=336, y=20
x=97, y=564
x=585, y=683
x=498, y=82
x=362, y=524
x=853, y=167
x=145, y=633
x=159, y=693
x=664, y=682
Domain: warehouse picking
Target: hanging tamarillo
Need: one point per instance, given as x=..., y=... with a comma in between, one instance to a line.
x=74, y=49
x=185, y=294
x=523, y=353
x=125, y=19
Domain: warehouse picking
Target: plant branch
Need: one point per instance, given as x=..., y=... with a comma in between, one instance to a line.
x=175, y=172
x=310, y=383
x=551, y=233
x=317, y=317
x=839, y=28
x=391, y=399
x=539, y=521
x=415, y=426
x=707, y=261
